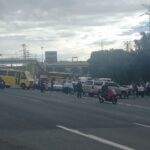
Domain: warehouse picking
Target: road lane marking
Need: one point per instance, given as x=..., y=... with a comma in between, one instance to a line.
x=142, y=125
x=96, y=138
x=134, y=105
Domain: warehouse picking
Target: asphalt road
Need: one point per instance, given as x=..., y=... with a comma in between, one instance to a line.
x=30, y=120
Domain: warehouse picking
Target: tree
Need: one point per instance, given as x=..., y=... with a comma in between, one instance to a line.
x=123, y=66
x=143, y=56
x=113, y=64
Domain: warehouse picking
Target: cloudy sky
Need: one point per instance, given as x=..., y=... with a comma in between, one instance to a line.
x=72, y=27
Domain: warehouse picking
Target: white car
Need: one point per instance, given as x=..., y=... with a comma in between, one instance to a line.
x=68, y=87
x=58, y=86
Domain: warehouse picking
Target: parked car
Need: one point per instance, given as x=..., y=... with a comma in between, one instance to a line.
x=58, y=86
x=92, y=87
x=68, y=87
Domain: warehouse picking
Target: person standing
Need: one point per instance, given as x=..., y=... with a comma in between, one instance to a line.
x=52, y=84
x=135, y=89
x=74, y=87
x=2, y=83
x=147, y=88
x=79, y=89
x=141, y=90
x=104, y=90
x=42, y=85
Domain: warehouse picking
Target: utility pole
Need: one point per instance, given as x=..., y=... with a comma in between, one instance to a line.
x=25, y=54
x=25, y=51
x=128, y=46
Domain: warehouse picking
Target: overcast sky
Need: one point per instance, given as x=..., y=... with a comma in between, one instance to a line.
x=71, y=27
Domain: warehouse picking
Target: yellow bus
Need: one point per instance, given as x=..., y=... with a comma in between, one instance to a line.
x=60, y=75
x=16, y=77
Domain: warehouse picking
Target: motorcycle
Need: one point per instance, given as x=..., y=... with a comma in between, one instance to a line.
x=110, y=96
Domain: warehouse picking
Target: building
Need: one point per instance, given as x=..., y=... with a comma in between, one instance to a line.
x=77, y=67
x=51, y=56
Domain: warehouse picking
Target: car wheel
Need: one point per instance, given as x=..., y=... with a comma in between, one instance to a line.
x=124, y=95
x=114, y=100
x=23, y=86
x=91, y=94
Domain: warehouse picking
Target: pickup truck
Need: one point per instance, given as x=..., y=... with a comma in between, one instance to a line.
x=93, y=87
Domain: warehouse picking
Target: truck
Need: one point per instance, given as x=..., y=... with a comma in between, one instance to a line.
x=93, y=87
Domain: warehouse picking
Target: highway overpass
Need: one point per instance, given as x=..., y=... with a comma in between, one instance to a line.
x=4, y=61
x=76, y=67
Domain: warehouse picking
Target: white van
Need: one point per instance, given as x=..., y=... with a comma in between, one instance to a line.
x=84, y=79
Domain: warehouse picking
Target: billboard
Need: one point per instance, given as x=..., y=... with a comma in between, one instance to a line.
x=51, y=56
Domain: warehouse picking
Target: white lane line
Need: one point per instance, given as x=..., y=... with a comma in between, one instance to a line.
x=96, y=138
x=144, y=107
x=142, y=125
x=134, y=105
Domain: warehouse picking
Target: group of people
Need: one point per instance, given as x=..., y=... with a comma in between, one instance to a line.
x=76, y=88
x=68, y=87
x=139, y=89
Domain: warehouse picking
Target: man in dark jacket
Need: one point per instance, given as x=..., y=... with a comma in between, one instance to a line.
x=2, y=83
x=79, y=89
x=42, y=85
x=104, y=90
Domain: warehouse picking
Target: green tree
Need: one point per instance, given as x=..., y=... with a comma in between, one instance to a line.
x=123, y=66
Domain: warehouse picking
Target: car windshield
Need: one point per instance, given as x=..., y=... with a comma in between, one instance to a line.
x=98, y=83
x=89, y=82
x=113, y=84
x=28, y=75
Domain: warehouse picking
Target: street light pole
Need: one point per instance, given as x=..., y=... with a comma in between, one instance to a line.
x=42, y=52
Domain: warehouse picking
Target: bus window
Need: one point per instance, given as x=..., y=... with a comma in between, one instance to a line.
x=28, y=75
x=12, y=73
x=60, y=75
x=3, y=73
x=23, y=76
